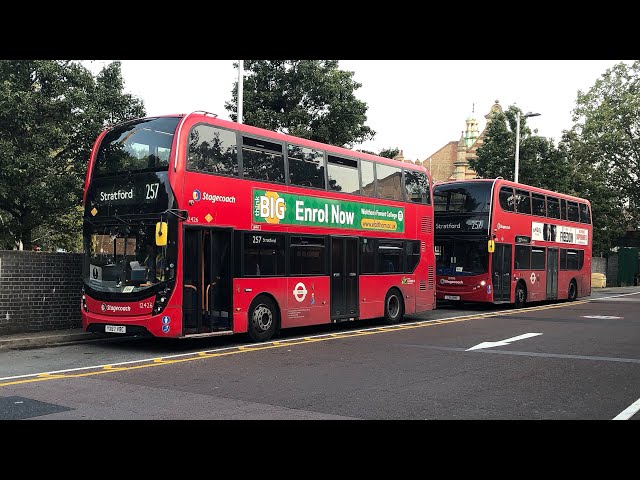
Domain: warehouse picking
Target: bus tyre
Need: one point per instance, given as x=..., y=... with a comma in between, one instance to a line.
x=263, y=319
x=393, y=306
x=521, y=295
x=573, y=291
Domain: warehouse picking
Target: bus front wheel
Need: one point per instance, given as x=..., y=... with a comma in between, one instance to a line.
x=521, y=295
x=263, y=319
x=573, y=291
x=393, y=307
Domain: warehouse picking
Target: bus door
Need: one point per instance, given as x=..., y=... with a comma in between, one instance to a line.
x=344, y=278
x=552, y=273
x=207, y=280
x=501, y=271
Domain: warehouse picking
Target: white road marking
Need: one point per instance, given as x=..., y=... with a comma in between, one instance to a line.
x=628, y=412
x=500, y=343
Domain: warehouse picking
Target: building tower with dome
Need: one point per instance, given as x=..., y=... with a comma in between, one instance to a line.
x=451, y=161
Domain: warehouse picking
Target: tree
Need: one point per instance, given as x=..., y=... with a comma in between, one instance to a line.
x=539, y=161
x=608, y=130
x=586, y=180
x=311, y=99
x=51, y=112
x=389, y=152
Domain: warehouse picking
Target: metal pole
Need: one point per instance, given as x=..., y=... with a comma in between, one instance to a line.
x=515, y=177
x=240, y=77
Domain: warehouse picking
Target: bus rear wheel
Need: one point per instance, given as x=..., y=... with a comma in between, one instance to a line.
x=573, y=291
x=393, y=307
x=263, y=319
x=521, y=295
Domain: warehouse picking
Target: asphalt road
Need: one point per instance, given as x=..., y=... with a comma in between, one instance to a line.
x=563, y=361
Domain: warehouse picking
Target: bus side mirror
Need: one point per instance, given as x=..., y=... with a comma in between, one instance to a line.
x=161, y=234
x=491, y=246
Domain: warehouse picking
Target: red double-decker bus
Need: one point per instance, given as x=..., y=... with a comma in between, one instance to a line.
x=197, y=226
x=499, y=241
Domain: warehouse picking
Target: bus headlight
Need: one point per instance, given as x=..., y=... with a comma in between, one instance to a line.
x=161, y=298
x=482, y=283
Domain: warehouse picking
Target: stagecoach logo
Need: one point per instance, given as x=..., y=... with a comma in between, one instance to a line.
x=115, y=308
x=212, y=197
x=504, y=227
x=532, y=278
x=444, y=281
x=300, y=292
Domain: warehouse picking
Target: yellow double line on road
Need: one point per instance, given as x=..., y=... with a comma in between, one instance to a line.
x=189, y=357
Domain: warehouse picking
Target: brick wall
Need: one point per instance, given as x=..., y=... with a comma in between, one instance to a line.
x=39, y=291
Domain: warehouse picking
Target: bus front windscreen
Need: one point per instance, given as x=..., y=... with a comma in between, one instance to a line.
x=462, y=197
x=455, y=256
x=140, y=146
x=124, y=258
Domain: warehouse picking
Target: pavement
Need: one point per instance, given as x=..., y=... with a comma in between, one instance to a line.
x=48, y=338
x=77, y=335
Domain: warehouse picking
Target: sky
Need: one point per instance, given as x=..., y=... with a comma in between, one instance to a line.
x=417, y=106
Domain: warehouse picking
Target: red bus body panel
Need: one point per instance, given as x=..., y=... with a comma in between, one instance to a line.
x=227, y=202
x=504, y=227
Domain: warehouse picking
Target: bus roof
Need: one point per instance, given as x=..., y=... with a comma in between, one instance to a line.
x=211, y=118
x=503, y=182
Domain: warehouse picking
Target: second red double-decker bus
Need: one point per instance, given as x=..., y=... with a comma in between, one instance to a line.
x=198, y=226
x=499, y=241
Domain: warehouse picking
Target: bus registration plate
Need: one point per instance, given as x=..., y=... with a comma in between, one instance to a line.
x=452, y=297
x=115, y=329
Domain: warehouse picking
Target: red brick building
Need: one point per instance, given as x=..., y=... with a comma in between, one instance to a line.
x=451, y=161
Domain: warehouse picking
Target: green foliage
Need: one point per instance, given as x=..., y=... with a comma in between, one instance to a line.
x=496, y=155
x=572, y=167
x=311, y=99
x=51, y=112
x=607, y=127
x=389, y=152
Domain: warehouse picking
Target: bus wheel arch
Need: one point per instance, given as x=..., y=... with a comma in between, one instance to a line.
x=393, y=306
x=572, y=294
x=263, y=318
x=520, y=294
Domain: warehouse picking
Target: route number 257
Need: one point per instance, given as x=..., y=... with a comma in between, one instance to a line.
x=152, y=191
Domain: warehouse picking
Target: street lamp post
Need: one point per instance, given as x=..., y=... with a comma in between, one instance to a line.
x=526, y=115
